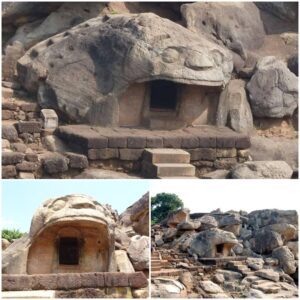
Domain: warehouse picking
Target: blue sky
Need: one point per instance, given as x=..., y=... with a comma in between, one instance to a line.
x=20, y=198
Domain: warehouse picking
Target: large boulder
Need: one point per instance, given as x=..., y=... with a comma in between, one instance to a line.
x=266, y=240
x=286, y=259
x=235, y=24
x=283, y=10
x=83, y=71
x=188, y=225
x=137, y=216
x=207, y=222
x=176, y=217
x=167, y=288
x=138, y=252
x=5, y=244
x=273, y=89
x=287, y=231
x=275, y=148
x=261, y=170
x=260, y=218
x=213, y=242
x=234, y=109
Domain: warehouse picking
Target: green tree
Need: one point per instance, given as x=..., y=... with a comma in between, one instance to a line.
x=162, y=204
x=11, y=234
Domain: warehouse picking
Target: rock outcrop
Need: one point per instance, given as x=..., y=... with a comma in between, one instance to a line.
x=82, y=71
x=259, y=260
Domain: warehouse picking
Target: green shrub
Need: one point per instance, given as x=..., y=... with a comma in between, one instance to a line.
x=11, y=234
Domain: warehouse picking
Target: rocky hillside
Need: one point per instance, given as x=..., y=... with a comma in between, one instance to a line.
x=221, y=255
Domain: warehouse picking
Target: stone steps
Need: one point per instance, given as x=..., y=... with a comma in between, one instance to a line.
x=241, y=267
x=167, y=163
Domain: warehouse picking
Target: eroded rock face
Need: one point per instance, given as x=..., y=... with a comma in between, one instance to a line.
x=77, y=217
x=138, y=252
x=234, y=109
x=262, y=169
x=177, y=217
x=273, y=89
x=286, y=259
x=84, y=70
x=205, y=244
x=237, y=25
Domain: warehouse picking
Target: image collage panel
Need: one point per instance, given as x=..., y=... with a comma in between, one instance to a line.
x=114, y=117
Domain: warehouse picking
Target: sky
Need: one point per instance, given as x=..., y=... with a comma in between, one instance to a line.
x=247, y=195
x=20, y=198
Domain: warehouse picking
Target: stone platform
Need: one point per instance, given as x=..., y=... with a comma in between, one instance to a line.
x=221, y=260
x=88, y=138
x=68, y=281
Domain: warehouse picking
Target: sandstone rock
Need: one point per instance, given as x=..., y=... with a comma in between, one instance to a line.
x=266, y=286
x=293, y=246
x=138, y=252
x=169, y=234
x=5, y=144
x=255, y=263
x=238, y=249
x=208, y=222
x=236, y=25
x=26, y=175
x=268, y=274
x=187, y=279
x=55, y=144
x=177, y=217
x=5, y=244
x=77, y=161
x=50, y=118
x=234, y=109
x=266, y=241
x=123, y=262
x=283, y=10
x=205, y=244
x=12, y=158
x=218, y=174
x=103, y=174
x=275, y=148
x=286, y=259
x=142, y=293
x=264, y=217
x=262, y=169
x=137, y=216
x=54, y=163
x=167, y=288
x=273, y=89
x=218, y=278
x=230, y=275
x=210, y=287
x=27, y=166
x=9, y=133
x=8, y=172
x=254, y=293
x=287, y=231
x=188, y=225
x=128, y=58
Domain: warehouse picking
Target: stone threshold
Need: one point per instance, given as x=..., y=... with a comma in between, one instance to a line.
x=67, y=281
x=87, y=137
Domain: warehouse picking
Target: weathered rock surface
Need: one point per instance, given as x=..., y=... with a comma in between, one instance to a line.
x=275, y=148
x=204, y=244
x=237, y=25
x=167, y=288
x=286, y=259
x=266, y=240
x=138, y=252
x=5, y=244
x=113, y=59
x=234, y=109
x=273, y=89
x=177, y=217
x=262, y=169
x=137, y=216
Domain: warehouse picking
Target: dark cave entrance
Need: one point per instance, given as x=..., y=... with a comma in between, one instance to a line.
x=68, y=251
x=163, y=95
x=220, y=248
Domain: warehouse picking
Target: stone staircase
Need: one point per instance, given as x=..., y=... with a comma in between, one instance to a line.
x=240, y=266
x=156, y=264
x=167, y=163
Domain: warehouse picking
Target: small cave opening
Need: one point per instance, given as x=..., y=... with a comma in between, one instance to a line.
x=220, y=249
x=68, y=251
x=163, y=95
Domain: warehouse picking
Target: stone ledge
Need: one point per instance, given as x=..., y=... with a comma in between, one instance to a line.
x=68, y=281
x=189, y=138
